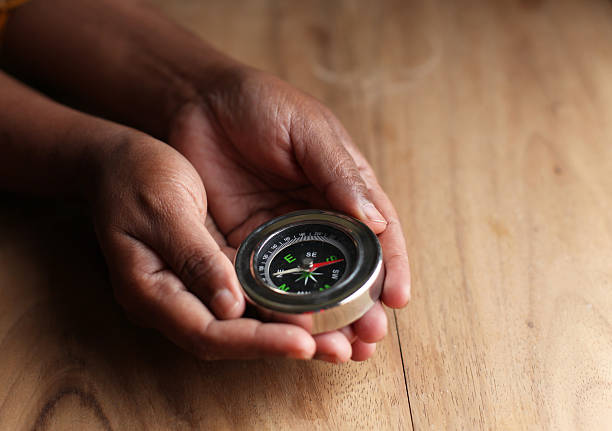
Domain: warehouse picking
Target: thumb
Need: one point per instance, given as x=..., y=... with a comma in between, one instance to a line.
x=187, y=246
x=331, y=169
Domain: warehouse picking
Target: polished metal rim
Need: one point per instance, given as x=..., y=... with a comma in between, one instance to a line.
x=352, y=297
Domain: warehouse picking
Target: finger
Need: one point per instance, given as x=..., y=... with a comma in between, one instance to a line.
x=212, y=228
x=250, y=339
x=372, y=326
x=333, y=347
x=349, y=333
x=303, y=320
x=396, y=292
x=362, y=350
x=329, y=166
x=160, y=299
x=259, y=217
x=184, y=243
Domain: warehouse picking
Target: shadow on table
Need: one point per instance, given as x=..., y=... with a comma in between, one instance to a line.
x=72, y=341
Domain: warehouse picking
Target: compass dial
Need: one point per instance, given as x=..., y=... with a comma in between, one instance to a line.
x=317, y=262
x=305, y=259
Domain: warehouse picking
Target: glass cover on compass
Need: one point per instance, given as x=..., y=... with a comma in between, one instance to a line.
x=305, y=259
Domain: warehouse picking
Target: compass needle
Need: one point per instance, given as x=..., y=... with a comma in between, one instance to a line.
x=287, y=271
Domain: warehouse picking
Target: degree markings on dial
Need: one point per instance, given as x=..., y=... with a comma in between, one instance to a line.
x=287, y=241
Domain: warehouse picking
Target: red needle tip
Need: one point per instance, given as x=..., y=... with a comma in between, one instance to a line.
x=320, y=264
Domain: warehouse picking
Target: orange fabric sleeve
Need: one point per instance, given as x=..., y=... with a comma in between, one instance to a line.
x=5, y=8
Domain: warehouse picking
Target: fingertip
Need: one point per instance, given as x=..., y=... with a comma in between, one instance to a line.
x=226, y=300
x=333, y=347
x=396, y=296
x=372, y=327
x=226, y=305
x=397, y=285
x=302, y=345
x=304, y=351
x=362, y=351
x=219, y=289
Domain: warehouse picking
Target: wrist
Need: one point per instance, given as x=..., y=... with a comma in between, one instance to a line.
x=128, y=62
x=211, y=86
x=110, y=158
x=192, y=83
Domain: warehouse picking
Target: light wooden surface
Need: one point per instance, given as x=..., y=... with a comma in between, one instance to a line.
x=490, y=125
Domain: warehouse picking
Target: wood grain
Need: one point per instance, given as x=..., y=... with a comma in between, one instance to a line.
x=489, y=124
x=70, y=360
x=506, y=200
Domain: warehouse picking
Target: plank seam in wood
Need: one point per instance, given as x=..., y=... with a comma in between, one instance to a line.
x=399, y=342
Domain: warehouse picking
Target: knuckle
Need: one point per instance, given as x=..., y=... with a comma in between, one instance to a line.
x=360, y=187
x=198, y=266
x=169, y=197
x=341, y=166
x=155, y=201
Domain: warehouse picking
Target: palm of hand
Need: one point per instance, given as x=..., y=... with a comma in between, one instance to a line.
x=252, y=169
x=247, y=181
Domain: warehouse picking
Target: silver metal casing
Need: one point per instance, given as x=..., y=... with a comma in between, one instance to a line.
x=346, y=302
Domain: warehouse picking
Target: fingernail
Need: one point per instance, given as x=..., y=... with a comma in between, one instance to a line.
x=223, y=301
x=372, y=213
x=328, y=358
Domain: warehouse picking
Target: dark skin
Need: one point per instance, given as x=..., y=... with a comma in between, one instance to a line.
x=203, y=149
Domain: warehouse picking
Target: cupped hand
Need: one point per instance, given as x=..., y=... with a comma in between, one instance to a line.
x=168, y=262
x=262, y=149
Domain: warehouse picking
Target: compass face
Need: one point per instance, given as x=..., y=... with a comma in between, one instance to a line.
x=305, y=259
x=314, y=262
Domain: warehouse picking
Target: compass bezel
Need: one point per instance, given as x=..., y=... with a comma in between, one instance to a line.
x=353, y=294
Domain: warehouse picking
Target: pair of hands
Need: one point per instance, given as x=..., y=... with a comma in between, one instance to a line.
x=170, y=217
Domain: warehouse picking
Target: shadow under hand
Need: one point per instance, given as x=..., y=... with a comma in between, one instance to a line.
x=68, y=353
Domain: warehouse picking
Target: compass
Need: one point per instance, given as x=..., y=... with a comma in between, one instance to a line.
x=317, y=262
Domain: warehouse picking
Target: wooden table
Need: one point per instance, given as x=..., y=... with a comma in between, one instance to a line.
x=490, y=125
